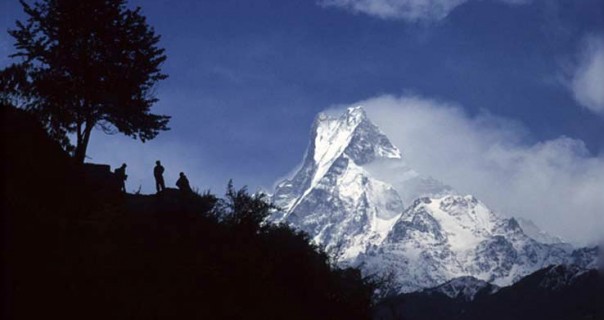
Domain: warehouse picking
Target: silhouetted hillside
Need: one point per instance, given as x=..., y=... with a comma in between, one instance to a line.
x=74, y=248
x=555, y=292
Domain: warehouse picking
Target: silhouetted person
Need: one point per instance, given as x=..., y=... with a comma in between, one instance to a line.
x=183, y=183
x=121, y=176
x=158, y=173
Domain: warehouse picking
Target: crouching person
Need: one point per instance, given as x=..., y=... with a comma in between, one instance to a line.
x=183, y=184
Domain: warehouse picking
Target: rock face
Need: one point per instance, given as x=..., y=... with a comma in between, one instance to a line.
x=356, y=196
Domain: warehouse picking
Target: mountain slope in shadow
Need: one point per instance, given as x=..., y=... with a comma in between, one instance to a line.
x=77, y=248
x=557, y=292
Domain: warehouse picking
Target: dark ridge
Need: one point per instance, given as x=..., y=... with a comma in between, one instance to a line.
x=552, y=293
x=74, y=247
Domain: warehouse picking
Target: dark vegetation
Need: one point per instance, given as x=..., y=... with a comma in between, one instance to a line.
x=73, y=249
x=86, y=64
x=534, y=297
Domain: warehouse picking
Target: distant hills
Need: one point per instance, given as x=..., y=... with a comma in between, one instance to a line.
x=555, y=292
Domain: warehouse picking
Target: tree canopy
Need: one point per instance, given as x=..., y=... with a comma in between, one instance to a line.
x=86, y=64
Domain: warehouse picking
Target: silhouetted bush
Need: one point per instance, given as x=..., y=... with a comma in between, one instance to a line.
x=70, y=252
x=242, y=211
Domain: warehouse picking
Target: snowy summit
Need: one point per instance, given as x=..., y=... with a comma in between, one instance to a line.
x=357, y=197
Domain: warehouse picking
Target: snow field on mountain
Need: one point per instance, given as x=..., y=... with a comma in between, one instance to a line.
x=356, y=196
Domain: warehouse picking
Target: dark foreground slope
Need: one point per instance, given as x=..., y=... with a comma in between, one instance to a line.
x=553, y=293
x=72, y=249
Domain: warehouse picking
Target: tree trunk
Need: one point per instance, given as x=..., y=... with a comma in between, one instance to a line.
x=82, y=144
x=77, y=152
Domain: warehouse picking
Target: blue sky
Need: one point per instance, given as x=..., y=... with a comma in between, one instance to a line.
x=248, y=77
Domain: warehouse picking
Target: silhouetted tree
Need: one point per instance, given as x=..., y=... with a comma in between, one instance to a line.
x=246, y=212
x=86, y=64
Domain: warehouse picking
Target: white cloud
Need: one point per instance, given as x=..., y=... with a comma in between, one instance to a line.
x=587, y=82
x=556, y=183
x=409, y=10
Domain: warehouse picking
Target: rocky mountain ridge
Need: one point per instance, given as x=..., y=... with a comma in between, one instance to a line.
x=357, y=196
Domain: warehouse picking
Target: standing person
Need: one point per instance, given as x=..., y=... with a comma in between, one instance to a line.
x=120, y=174
x=158, y=173
x=183, y=183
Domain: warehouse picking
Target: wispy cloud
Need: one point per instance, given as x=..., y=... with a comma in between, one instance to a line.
x=408, y=10
x=556, y=183
x=587, y=81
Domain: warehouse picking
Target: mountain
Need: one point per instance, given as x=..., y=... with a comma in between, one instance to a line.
x=555, y=292
x=357, y=196
x=466, y=288
x=529, y=227
x=334, y=198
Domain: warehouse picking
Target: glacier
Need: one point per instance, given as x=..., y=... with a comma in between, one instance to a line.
x=358, y=198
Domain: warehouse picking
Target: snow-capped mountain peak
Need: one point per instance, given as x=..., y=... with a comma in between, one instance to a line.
x=357, y=197
x=351, y=134
x=334, y=142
